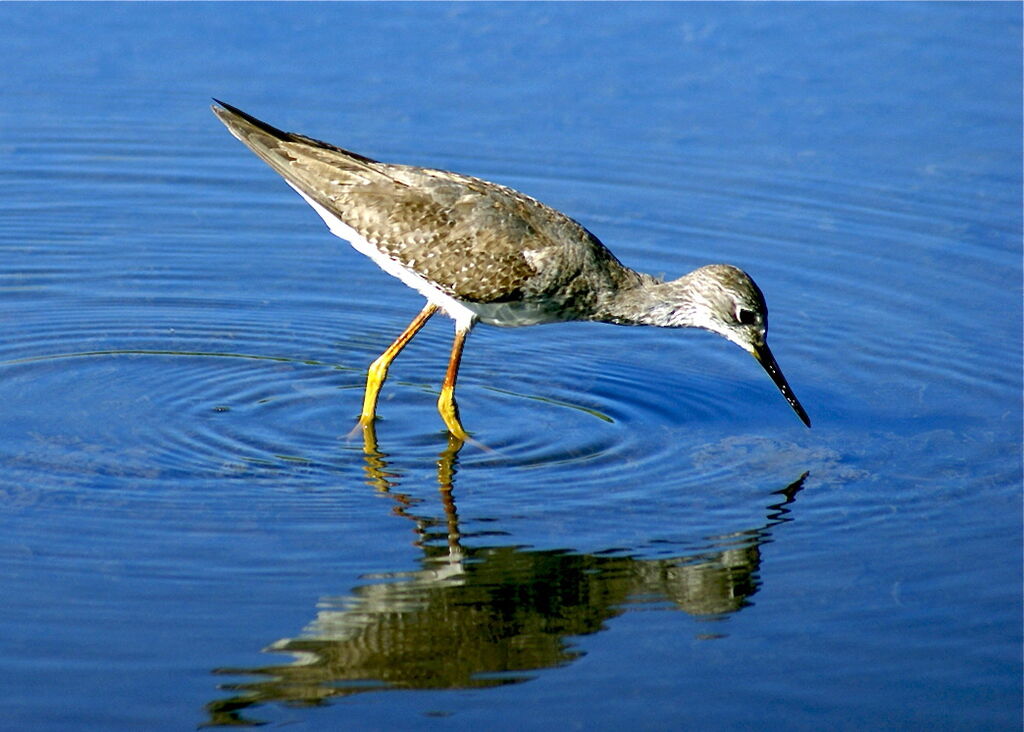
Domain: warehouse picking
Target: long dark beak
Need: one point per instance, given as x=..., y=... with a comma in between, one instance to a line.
x=764, y=357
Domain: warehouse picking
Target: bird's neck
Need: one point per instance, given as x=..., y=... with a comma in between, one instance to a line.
x=642, y=300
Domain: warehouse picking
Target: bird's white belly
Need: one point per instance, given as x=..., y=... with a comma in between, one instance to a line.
x=511, y=314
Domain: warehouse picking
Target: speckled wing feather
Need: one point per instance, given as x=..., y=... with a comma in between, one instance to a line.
x=477, y=241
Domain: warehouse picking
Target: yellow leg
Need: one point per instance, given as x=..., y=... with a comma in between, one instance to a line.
x=378, y=371
x=446, y=402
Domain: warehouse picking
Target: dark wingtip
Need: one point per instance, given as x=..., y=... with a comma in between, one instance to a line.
x=241, y=123
x=233, y=110
x=230, y=115
x=228, y=107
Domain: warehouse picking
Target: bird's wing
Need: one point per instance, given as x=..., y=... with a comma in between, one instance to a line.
x=475, y=240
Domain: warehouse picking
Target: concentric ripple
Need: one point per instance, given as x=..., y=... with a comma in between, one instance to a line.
x=219, y=348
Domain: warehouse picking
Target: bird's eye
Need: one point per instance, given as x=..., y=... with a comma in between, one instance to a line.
x=746, y=317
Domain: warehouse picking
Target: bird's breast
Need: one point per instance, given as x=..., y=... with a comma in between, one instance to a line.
x=514, y=314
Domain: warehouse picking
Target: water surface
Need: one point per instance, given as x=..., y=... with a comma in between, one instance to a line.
x=189, y=537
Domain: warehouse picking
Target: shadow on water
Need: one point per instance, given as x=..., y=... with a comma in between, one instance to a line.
x=485, y=616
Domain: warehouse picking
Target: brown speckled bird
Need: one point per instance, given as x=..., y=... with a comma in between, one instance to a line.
x=483, y=252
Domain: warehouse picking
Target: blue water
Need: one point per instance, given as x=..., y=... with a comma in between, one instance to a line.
x=189, y=537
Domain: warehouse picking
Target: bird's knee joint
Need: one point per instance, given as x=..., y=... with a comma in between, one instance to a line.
x=378, y=370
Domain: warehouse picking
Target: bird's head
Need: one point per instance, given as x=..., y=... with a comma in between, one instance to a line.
x=725, y=300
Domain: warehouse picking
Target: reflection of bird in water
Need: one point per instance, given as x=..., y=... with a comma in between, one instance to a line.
x=481, y=251
x=479, y=617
